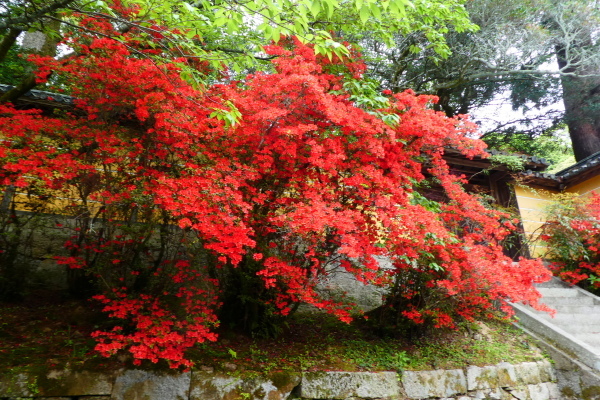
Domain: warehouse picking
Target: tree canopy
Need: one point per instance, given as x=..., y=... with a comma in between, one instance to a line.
x=539, y=52
x=191, y=194
x=230, y=34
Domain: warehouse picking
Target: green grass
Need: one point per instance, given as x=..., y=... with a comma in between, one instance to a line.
x=52, y=334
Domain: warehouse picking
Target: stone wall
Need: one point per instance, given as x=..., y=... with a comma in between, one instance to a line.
x=526, y=381
x=575, y=380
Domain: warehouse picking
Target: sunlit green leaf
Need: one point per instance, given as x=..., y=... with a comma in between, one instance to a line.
x=364, y=14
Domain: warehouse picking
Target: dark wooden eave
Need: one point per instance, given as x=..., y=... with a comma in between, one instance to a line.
x=481, y=170
x=583, y=170
x=41, y=99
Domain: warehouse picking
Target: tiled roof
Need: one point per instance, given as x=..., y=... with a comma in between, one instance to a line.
x=543, y=175
x=582, y=166
x=531, y=162
x=40, y=96
x=568, y=176
x=537, y=163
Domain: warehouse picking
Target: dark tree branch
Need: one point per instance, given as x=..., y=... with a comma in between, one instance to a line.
x=8, y=41
x=235, y=51
x=6, y=21
x=25, y=86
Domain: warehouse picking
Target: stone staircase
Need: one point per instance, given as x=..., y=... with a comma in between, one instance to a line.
x=577, y=311
x=575, y=329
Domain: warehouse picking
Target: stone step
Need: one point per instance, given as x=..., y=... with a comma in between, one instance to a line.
x=577, y=309
x=593, y=339
x=576, y=325
x=573, y=319
x=560, y=292
x=567, y=301
x=572, y=309
x=577, y=329
x=552, y=283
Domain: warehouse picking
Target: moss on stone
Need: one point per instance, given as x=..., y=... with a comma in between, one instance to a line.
x=568, y=392
x=285, y=380
x=591, y=393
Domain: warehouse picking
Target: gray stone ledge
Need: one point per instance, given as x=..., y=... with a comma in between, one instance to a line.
x=272, y=386
x=438, y=383
x=145, y=385
x=344, y=385
x=525, y=381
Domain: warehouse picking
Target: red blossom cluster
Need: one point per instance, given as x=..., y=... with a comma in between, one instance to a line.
x=303, y=177
x=573, y=238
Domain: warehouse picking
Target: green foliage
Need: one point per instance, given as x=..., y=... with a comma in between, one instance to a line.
x=377, y=356
x=510, y=60
x=554, y=146
x=512, y=162
x=572, y=236
x=232, y=353
x=13, y=68
x=231, y=116
x=477, y=343
x=230, y=34
x=366, y=95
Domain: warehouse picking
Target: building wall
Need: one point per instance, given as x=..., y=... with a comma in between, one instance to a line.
x=585, y=188
x=532, y=203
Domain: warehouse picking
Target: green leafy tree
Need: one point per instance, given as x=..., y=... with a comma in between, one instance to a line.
x=572, y=236
x=228, y=34
x=553, y=145
x=514, y=52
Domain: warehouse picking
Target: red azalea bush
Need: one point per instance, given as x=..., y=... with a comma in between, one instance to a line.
x=572, y=236
x=187, y=207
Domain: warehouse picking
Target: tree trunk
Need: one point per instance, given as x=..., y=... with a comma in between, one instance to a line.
x=581, y=97
x=48, y=48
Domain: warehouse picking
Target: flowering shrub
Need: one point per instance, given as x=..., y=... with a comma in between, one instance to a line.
x=189, y=206
x=572, y=235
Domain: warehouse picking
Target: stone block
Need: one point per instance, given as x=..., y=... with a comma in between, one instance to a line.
x=342, y=385
x=569, y=382
x=543, y=391
x=538, y=392
x=519, y=393
x=492, y=394
x=93, y=397
x=482, y=377
x=507, y=376
x=76, y=383
x=546, y=370
x=528, y=373
x=55, y=398
x=16, y=385
x=439, y=383
x=145, y=385
x=255, y=386
x=554, y=391
x=496, y=394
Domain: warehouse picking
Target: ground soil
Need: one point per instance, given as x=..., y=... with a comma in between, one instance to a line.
x=52, y=331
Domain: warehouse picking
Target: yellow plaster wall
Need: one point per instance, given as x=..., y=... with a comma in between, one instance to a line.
x=532, y=203
x=585, y=188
